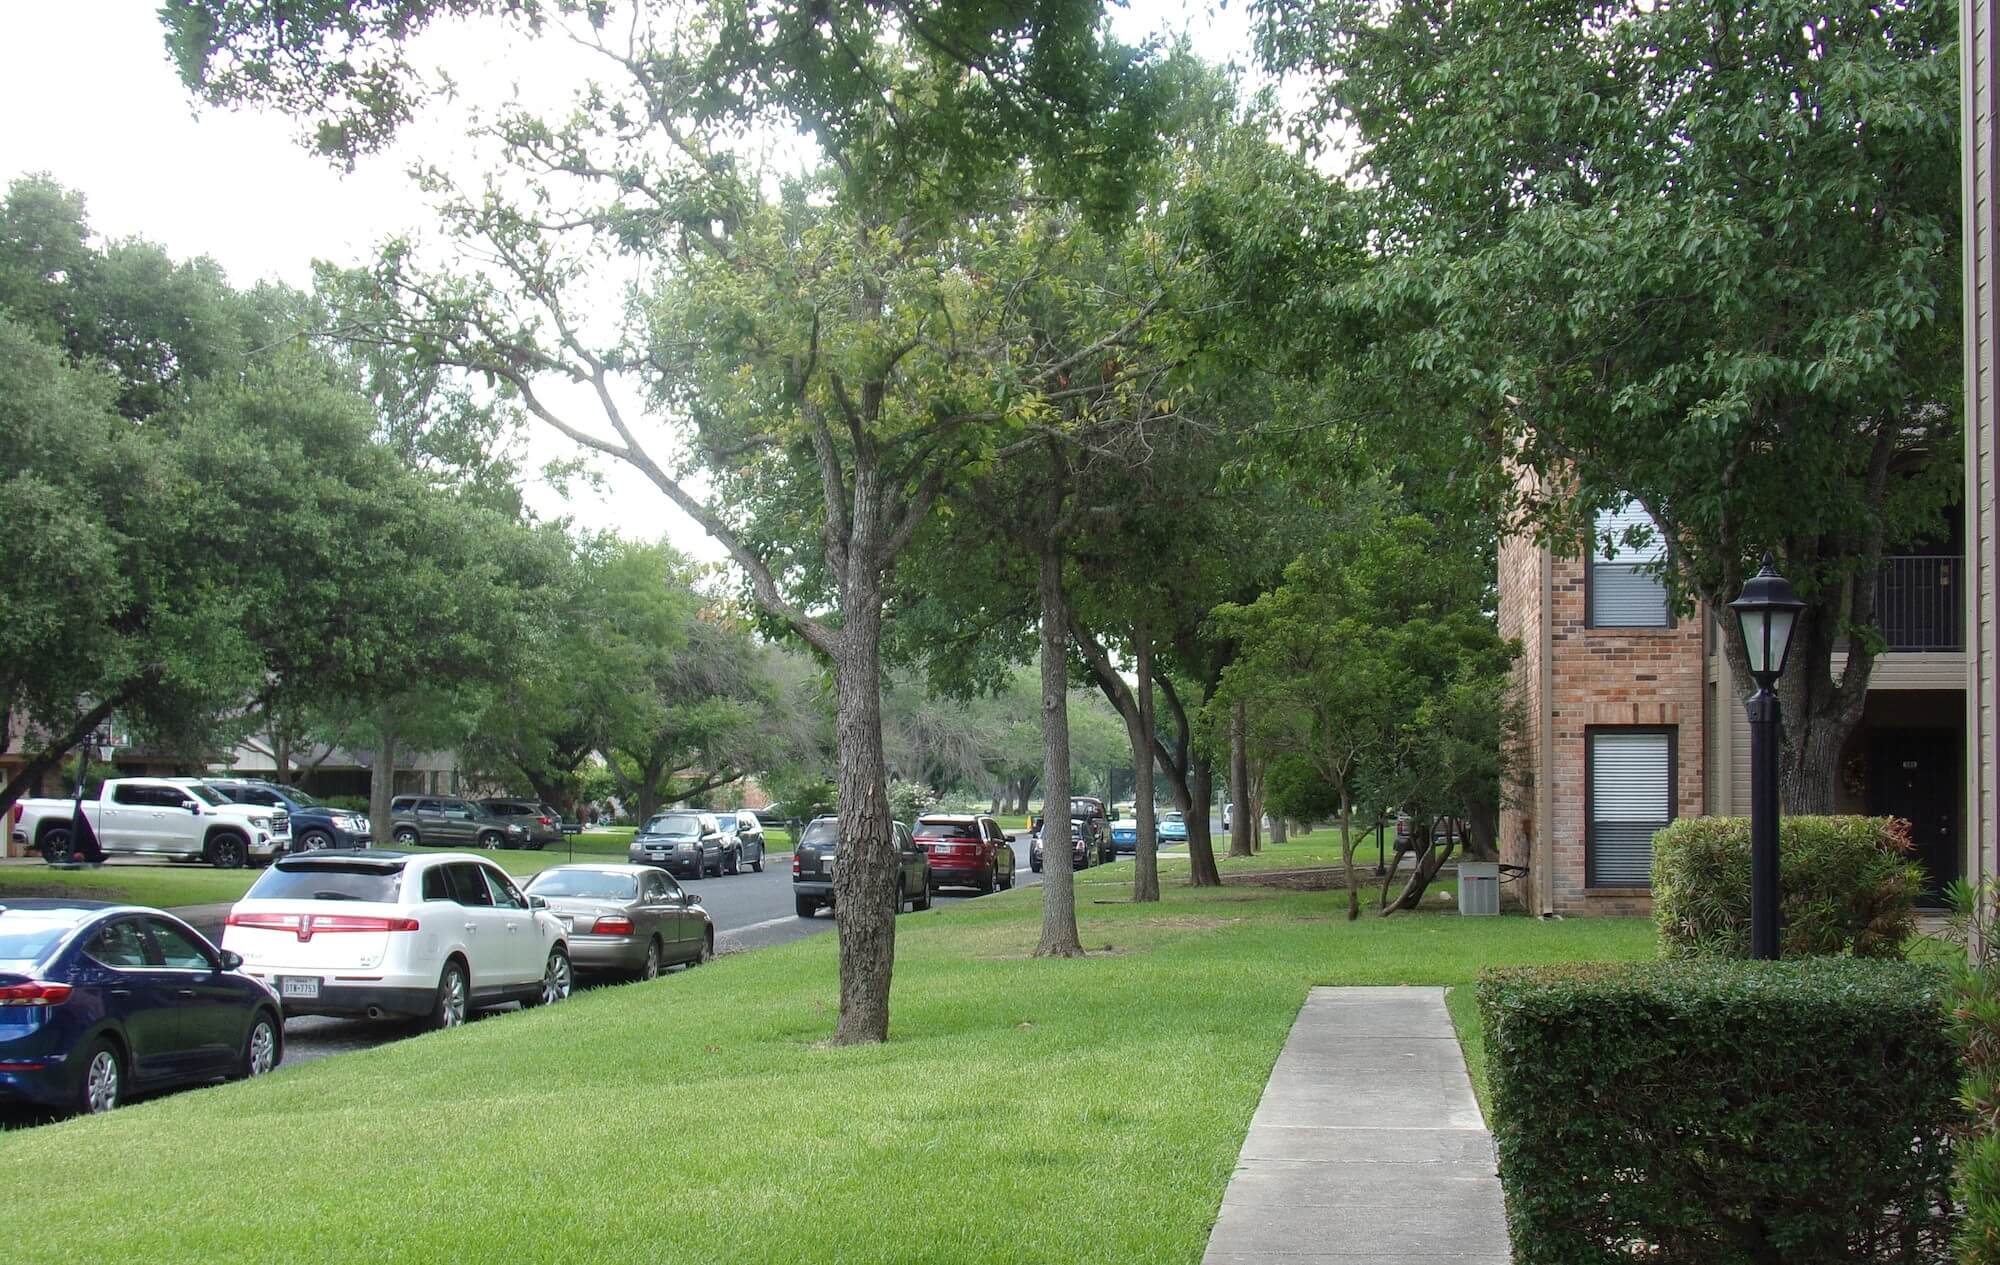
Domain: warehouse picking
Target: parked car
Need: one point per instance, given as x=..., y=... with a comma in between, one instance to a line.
x=156, y=817
x=1087, y=845
x=744, y=835
x=432, y=936
x=542, y=823
x=314, y=825
x=441, y=821
x=818, y=850
x=680, y=840
x=99, y=1002
x=626, y=919
x=966, y=852
x=1125, y=835
x=1173, y=828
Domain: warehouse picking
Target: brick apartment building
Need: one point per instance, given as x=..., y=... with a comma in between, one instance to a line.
x=1634, y=718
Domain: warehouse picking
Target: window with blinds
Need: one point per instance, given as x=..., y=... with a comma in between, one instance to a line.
x=1625, y=590
x=1631, y=779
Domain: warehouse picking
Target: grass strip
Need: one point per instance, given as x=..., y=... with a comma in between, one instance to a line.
x=1024, y=1109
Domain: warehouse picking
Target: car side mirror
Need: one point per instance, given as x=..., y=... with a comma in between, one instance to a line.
x=536, y=902
x=194, y=807
x=231, y=960
x=690, y=899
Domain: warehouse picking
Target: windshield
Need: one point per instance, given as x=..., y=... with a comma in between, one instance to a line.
x=592, y=884
x=822, y=833
x=205, y=795
x=324, y=881
x=297, y=796
x=674, y=824
x=27, y=934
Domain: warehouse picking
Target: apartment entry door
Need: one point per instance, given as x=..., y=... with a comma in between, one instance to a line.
x=1913, y=774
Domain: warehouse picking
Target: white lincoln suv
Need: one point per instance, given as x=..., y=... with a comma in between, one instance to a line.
x=380, y=933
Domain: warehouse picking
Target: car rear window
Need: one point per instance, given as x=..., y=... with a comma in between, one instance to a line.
x=821, y=833
x=328, y=881
x=26, y=934
x=947, y=830
x=591, y=884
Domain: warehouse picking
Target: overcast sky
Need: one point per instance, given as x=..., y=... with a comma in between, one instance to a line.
x=90, y=98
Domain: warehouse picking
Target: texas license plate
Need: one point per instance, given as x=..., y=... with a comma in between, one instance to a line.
x=303, y=987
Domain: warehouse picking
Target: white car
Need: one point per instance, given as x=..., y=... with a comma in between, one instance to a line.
x=366, y=933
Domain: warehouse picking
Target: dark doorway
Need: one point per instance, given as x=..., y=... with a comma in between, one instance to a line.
x=1913, y=774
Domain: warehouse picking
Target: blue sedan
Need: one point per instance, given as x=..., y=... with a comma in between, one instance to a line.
x=99, y=1002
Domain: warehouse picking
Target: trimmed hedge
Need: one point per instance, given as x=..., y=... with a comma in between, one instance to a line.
x=1975, y=1021
x=1710, y=1112
x=1846, y=885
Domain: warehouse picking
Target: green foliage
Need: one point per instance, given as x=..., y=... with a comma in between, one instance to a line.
x=1846, y=885
x=910, y=800
x=1705, y=256
x=346, y=803
x=1717, y=1113
x=804, y=795
x=1975, y=1023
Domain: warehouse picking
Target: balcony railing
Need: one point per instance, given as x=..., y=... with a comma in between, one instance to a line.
x=1919, y=603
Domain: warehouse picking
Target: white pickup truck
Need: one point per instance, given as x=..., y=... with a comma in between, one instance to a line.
x=158, y=817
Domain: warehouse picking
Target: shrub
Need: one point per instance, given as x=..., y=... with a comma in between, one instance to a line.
x=1975, y=1022
x=1711, y=1112
x=1846, y=885
x=345, y=803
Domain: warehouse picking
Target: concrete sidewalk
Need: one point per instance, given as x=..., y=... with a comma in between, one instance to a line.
x=1367, y=1146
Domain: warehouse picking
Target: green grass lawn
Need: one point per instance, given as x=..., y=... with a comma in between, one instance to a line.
x=168, y=884
x=1024, y=1110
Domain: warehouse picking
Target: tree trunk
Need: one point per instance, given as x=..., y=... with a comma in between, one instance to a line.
x=1239, y=783
x=382, y=779
x=1146, y=853
x=1256, y=784
x=1059, y=934
x=1279, y=831
x=1201, y=852
x=864, y=905
x=1347, y=853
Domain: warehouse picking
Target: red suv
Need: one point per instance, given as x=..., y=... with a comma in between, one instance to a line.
x=966, y=852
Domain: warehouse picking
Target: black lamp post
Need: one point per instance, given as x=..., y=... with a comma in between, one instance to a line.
x=1766, y=612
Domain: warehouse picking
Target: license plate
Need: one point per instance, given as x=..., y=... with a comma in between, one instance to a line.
x=303, y=987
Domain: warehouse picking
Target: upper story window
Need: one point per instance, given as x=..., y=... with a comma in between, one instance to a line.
x=1624, y=589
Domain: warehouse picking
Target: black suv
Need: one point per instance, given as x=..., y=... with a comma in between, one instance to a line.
x=314, y=825
x=543, y=824
x=817, y=849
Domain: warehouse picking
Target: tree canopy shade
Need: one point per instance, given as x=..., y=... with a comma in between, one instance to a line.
x=1705, y=256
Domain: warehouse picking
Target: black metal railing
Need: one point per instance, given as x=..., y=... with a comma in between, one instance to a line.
x=1920, y=602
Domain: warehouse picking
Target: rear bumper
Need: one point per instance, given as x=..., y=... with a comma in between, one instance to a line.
x=37, y=1082
x=971, y=876
x=357, y=1000
x=607, y=953
x=820, y=888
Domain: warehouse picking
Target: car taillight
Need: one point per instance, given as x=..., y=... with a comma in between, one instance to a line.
x=34, y=993
x=309, y=925
x=795, y=865
x=545, y=821
x=611, y=926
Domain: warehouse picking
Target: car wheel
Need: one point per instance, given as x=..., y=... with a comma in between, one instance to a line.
x=315, y=840
x=651, y=968
x=805, y=905
x=705, y=951
x=103, y=1084
x=556, y=979
x=924, y=901
x=452, y=999
x=55, y=844
x=757, y=866
x=404, y=836
x=263, y=1050
x=902, y=899
x=1007, y=883
x=1035, y=867
x=225, y=852
x=491, y=841
x=735, y=865
x=989, y=882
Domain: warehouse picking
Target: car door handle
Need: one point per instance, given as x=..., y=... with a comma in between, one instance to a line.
x=512, y=927
x=472, y=927
x=121, y=992
x=184, y=993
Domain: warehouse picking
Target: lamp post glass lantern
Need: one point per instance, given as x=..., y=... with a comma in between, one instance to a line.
x=1766, y=612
